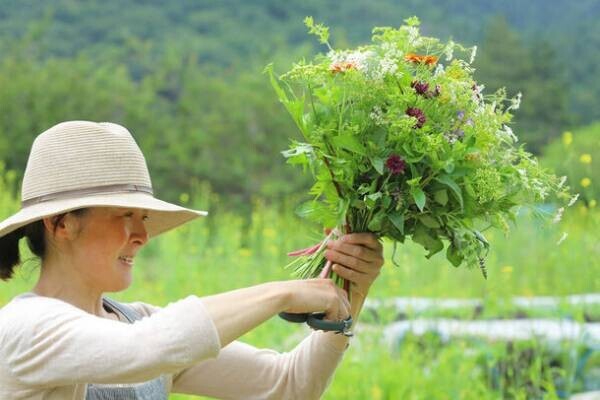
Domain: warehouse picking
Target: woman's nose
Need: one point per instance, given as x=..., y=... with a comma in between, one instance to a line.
x=139, y=234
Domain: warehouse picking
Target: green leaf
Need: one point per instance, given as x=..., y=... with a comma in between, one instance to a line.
x=349, y=142
x=419, y=197
x=299, y=154
x=375, y=223
x=441, y=197
x=386, y=202
x=453, y=255
x=448, y=181
x=397, y=219
x=371, y=199
x=377, y=164
x=428, y=240
x=429, y=221
x=295, y=107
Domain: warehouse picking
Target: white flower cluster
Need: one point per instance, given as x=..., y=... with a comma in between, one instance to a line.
x=558, y=215
x=387, y=66
x=414, y=40
x=562, y=238
x=573, y=200
x=515, y=102
x=391, y=51
x=508, y=133
x=473, y=54
x=540, y=189
x=377, y=116
x=449, y=50
x=439, y=69
x=368, y=62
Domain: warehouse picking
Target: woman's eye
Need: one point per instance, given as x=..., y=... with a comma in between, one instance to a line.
x=145, y=218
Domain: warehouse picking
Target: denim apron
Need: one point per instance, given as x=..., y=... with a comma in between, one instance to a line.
x=151, y=390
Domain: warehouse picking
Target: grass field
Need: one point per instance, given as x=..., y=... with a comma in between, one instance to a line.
x=225, y=251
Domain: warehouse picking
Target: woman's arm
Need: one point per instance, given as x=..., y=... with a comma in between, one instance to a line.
x=244, y=372
x=237, y=312
x=47, y=342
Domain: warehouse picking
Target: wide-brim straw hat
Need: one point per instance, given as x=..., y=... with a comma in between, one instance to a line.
x=79, y=164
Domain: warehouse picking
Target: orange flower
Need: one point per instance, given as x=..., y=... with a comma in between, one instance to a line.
x=341, y=66
x=416, y=58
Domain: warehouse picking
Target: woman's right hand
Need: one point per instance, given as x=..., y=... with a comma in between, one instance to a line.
x=236, y=312
x=316, y=295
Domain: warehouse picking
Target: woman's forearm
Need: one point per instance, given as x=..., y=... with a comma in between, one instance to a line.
x=236, y=312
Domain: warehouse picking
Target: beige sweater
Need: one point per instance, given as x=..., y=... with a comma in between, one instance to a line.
x=50, y=349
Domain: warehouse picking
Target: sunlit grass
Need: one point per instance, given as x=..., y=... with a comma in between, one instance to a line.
x=225, y=251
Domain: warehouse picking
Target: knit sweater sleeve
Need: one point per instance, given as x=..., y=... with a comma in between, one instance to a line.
x=45, y=342
x=245, y=372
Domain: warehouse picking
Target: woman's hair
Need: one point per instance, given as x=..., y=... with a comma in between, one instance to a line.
x=36, y=240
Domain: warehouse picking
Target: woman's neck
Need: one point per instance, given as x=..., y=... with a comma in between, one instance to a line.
x=59, y=281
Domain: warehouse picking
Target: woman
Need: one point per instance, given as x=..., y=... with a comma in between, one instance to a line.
x=87, y=210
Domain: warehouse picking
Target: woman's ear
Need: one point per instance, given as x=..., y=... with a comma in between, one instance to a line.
x=63, y=226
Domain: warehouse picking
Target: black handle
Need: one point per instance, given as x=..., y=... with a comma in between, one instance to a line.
x=293, y=317
x=317, y=321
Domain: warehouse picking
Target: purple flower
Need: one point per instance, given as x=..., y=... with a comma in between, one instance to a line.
x=420, y=87
x=460, y=115
x=395, y=164
x=418, y=114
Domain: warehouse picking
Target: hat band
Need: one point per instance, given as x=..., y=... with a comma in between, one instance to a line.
x=69, y=194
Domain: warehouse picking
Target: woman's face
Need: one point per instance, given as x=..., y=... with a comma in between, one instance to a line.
x=106, y=244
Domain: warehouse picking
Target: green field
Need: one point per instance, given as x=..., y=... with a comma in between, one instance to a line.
x=225, y=251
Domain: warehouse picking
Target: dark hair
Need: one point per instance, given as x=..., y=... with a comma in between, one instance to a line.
x=36, y=240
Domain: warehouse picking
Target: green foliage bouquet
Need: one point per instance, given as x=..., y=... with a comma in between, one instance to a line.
x=402, y=145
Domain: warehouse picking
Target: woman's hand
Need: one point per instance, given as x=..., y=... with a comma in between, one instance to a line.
x=357, y=257
x=317, y=295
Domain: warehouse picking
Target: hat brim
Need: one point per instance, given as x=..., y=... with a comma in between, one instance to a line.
x=163, y=216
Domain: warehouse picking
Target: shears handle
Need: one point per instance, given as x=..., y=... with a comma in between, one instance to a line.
x=317, y=321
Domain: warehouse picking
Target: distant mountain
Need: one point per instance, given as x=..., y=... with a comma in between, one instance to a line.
x=237, y=33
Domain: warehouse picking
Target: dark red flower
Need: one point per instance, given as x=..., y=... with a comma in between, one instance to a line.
x=395, y=164
x=420, y=87
x=418, y=114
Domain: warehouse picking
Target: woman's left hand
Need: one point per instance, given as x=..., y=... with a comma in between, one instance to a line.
x=357, y=257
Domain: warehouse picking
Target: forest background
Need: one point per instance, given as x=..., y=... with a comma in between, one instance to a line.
x=186, y=77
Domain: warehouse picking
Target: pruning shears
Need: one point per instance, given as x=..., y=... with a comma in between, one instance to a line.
x=317, y=321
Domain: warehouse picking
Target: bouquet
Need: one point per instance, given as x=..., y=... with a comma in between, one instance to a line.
x=403, y=142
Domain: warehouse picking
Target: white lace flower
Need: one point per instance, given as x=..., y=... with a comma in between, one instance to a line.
x=573, y=200
x=562, y=181
x=508, y=133
x=562, y=238
x=377, y=116
x=515, y=102
x=439, y=69
x=558, y=215
x=387, y=66
x=449, y=50
x=473, y=54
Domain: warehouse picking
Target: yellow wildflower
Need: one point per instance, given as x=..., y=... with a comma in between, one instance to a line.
x=376, y=392
x=592, y=203
x=586, y=158
x=245, y=252
x=585, y=182
x=567, y=138
x=184, y=198
x=507, y=269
